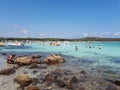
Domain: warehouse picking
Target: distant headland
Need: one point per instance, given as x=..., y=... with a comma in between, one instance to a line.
x=62, y=39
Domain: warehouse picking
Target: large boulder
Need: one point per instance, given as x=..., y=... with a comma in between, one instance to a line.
x=24, y=60
x=23, y=80
x=36, y=56
x=53, y=59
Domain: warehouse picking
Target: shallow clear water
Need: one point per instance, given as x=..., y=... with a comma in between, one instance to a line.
x=106, y=58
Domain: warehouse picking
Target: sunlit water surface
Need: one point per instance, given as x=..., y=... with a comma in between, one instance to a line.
x=105, y=59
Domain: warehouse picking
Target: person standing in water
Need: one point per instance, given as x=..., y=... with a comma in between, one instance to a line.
x=99, y=46
x=76, y=48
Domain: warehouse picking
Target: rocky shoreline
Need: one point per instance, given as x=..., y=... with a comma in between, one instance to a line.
x=49, y=74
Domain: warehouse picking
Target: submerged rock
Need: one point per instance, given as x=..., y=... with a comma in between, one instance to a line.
x=34, y=81
x=69, y=86
x=48, y=88
x=49, y=78
x=34, y=66
x=60, y=83
x=117, y=82
x=83, y=72
x=35, y=71
x=32, y=87
x=73, y=80
x=111, y=87
x=23, y=80
x=36, y=56
x=8, y=71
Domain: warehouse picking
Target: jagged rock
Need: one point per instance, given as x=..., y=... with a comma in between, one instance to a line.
x=36, y=56
x=34, y=81
x=73, y=80
x=26, y=72
x=8, y=71
x=23, y=80
x=49, y=78
x=83, y=72
x=53, y=59
x=60, y=83
x=34, y=66
x=35, y=71
x=32, y=87
x=111, y=87
x=56, y=73
x=69, y=86
x=82, y=88
x=117, y=82
x=36, y=61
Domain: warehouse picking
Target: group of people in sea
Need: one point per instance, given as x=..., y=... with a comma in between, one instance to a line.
x=99, y=47
x=90, y=45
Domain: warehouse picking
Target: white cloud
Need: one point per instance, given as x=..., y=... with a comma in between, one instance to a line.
x=94, y=34
x=104, y=34
x=117, y=34
x=24, y=31
x=85, y=34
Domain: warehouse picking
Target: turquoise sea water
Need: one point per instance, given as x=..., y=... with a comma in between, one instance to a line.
x=106, y=58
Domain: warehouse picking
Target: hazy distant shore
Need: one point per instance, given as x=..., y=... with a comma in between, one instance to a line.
x=63, y=39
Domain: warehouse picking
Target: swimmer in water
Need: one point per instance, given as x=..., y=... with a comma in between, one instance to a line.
x=76, y=48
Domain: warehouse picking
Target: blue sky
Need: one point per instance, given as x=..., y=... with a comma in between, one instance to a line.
x=59, y=18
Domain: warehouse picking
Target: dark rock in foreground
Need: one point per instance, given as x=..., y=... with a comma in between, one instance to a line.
x=117, y=82
x=34, y=66
x=74, y=80
x=60, y=83
x=8, y=71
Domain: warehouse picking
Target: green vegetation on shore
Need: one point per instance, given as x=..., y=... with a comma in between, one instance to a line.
x=63, y=39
